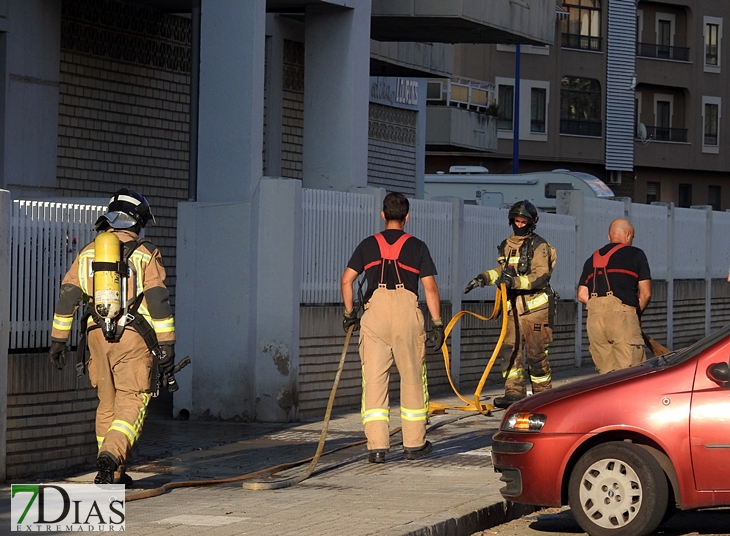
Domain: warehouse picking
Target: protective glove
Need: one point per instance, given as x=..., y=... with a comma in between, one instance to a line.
x=166, y=362
x=57, y=353
x=436, y=337
x=508, y=277
x=478, y=281
x=350, y=319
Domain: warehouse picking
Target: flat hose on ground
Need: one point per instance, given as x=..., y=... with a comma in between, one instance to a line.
x=500, y=305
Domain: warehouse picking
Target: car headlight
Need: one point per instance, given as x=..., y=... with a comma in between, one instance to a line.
x=524, y=422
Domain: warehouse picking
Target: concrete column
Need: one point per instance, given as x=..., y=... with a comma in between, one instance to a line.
x=421, y=140
x=279, y=258
x=5, y=207
x=571, y=202
x=215, y=310
x=336, y=96
x=231, y=108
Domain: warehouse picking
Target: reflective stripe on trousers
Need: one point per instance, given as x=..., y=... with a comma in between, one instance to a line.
x=391, y=330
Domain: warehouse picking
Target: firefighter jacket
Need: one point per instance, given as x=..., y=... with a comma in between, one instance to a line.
x=147, y=278
x=533, y=260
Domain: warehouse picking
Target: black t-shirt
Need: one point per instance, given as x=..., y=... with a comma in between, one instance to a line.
x=626, y=267
x=414, y=255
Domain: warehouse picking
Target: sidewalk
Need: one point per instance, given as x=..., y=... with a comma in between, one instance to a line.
x=453, y=491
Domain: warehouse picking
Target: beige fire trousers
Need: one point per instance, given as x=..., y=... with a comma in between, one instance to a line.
x=392, y=329
x=120, y=371
x=614, y=334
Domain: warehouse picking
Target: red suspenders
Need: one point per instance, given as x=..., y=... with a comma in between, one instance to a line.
x=390, y=253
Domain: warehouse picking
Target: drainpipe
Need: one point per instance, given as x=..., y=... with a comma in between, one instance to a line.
x=194, y=101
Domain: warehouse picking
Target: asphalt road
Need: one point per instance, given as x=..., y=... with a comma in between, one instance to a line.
x=560, y=522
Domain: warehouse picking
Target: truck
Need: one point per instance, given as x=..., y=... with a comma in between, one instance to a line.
x=477, y=186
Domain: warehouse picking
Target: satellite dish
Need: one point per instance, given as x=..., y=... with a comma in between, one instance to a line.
x=641, y=131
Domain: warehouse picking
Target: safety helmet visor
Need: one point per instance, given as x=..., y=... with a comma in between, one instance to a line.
x=120, y=220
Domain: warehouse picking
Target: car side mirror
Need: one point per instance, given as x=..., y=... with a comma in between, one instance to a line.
x=719, y=373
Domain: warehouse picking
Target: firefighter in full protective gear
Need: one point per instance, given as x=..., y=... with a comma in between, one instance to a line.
x=128, y=319
x=525, y=263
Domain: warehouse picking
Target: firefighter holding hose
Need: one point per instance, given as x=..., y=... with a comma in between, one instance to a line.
x=128, y=324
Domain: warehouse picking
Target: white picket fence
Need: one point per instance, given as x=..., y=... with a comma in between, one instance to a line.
x=679, y=243
x=45, y=238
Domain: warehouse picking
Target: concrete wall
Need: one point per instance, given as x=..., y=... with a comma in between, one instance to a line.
x=30, y=89
x=238, y=320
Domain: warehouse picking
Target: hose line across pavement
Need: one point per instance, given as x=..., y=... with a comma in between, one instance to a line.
x=500, y=305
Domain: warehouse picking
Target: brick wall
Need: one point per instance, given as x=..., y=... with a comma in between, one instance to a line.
x=124, y=109
x=50, y=417
x=392, y=149
x=292, y=131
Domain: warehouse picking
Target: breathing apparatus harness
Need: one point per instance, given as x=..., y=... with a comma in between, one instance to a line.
x=110, y=309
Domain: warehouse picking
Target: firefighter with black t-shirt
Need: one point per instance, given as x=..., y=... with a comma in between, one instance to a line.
x=392, y=328
x=619, y=280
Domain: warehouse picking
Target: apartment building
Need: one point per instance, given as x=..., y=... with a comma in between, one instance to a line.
x=631, y=92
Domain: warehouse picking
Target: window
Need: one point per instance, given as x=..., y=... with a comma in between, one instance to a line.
x=533, y=100
x=713, y=197
x=582, y=29
x=711, y=125
x=505, y=110
x=537, y=109
x=685, y=196
x=664, y=38
x=713, y=44
x=663, y=117
x=580, y=106
x=711, y=33
x=653, y=192
x=551, y=188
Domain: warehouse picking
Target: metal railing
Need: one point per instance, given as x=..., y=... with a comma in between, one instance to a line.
x=581, y=42
x=678, y=135
x=652, y=50
x=462, y=93
x=581, y=127
x=44, y=241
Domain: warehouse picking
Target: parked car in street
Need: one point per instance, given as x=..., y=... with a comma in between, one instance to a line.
x=626, y=449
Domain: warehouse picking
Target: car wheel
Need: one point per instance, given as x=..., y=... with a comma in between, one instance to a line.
x=618, y=489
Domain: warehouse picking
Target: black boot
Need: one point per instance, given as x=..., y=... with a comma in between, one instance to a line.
x=106, y=464
x=376, y=456
x=507, y=400
x=414, y=454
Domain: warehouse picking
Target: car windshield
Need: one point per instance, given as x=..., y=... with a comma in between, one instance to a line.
x=672, y=358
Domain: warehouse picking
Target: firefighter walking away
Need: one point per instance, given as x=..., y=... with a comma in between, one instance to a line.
x=127, y=324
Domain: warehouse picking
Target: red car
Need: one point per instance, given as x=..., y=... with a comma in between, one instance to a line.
x=628, y=448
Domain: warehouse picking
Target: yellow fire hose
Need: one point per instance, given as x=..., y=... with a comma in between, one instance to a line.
x=500, y=304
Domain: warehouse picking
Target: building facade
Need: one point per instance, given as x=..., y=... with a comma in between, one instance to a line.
x=631, y=92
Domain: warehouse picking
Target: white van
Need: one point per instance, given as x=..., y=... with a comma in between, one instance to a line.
x=477, y=186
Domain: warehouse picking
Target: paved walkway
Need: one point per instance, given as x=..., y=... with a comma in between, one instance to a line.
x=453, y=491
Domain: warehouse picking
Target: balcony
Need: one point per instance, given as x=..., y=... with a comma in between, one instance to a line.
x=678, y=135
x=581, y=127
x=460, y=115
x=664, y=52
x=581, y=42
x=459, y=21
